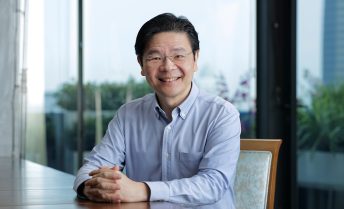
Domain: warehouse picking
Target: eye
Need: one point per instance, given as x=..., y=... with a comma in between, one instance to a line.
x=156, y=58
x=179, y=56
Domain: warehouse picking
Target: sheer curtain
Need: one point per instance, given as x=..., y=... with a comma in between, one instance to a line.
x=12, y=78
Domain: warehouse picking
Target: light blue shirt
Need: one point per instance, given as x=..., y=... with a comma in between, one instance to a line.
x=191, y=159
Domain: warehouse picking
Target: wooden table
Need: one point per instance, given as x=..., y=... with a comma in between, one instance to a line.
x=24, y=184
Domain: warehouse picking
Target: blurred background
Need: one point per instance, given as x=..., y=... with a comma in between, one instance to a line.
x=280, y=63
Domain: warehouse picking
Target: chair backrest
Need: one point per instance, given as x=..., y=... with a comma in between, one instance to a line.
x=256, y=173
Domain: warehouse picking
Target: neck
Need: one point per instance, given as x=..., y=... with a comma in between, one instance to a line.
x=168, y=104
x=168, y=107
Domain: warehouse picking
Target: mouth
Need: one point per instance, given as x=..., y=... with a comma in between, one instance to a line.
x=169, y=79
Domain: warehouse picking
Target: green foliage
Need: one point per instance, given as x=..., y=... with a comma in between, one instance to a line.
x=321, y=126
x=66, y=96
x=113, y=95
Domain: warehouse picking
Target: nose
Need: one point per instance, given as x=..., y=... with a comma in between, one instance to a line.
x=168, y=64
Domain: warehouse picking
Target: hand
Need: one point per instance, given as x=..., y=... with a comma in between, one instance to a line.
x=138, y=205
x=103, y=186
x=110, y=185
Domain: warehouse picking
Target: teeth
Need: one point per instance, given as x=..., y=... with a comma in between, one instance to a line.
x=169, y=79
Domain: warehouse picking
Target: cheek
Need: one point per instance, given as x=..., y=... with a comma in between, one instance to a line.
x=149, y=75
x=145, y=71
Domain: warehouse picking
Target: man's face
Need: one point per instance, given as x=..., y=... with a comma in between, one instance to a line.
x=169, y=64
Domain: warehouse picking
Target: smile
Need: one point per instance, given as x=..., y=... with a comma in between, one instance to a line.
x=169, y=79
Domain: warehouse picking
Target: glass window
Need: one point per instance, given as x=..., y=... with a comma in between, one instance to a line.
x=227, y=66
x=112, y=75
x=320, y=93
x=52, y=71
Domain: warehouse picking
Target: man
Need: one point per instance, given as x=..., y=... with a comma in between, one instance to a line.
x=178, y=144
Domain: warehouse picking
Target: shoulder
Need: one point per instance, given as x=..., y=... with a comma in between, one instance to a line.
x=216, y=103
x=138, y=105
x=224, y=117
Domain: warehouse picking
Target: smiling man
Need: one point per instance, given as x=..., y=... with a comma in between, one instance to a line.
x=178, y=144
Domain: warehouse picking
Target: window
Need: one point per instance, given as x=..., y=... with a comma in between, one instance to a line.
x=320, y=93
x=52, y=71
x=227, y=66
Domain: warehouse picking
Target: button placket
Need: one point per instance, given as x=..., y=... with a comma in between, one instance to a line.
x=165, y=153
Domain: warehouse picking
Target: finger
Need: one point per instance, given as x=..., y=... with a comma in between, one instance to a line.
x=116, y=168
x=94, y=172
x=104, y=196
x=108, y=186
x=94, y=182
x=104, y=184
x=92, y=194
x=113, y=175
x=100, y=170
x=115, y=197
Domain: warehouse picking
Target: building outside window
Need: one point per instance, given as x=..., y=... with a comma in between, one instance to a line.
x=320, y=115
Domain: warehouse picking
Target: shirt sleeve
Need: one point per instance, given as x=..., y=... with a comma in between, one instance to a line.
x=109, y=152
x=216, y=171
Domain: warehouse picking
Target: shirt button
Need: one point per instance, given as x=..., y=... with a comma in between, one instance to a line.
x=168, y=127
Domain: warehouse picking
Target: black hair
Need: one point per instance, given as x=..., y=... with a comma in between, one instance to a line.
x=165, y=22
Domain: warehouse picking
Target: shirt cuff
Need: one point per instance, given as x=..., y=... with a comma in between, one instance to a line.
x=79, y=180
x=159, y=191
x=80, y=191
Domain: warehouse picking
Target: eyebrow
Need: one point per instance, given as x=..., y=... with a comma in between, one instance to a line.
x=152, y=51
x=177, y=49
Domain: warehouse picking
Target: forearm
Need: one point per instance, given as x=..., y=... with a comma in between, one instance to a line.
x=203, y=188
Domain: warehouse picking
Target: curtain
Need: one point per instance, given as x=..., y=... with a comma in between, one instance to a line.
x=12, y=78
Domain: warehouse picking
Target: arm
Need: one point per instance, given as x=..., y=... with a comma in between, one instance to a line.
x=108, y=152
x=100, y=178
x=216, y=170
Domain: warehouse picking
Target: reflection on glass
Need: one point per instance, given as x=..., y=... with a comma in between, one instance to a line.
x=226, y=65
x=320, y=116
x=52, y=65
x=111, y=73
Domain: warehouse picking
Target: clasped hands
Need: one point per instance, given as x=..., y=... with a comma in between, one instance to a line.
x=111, y=185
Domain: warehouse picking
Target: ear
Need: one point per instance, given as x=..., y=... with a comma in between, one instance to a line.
x=196, y=60
x=141, y=65
x=139, y=61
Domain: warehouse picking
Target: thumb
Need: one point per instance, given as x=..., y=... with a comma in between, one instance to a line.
x=116, y=168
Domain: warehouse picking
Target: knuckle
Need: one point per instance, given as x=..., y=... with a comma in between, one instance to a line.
x=103, y=196
x=96, y=180
x=102, y=185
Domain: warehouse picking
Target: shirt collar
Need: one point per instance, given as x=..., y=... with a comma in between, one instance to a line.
x=184, y=107
x=157, y=109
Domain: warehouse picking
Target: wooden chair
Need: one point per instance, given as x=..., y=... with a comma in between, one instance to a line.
x=256, y=173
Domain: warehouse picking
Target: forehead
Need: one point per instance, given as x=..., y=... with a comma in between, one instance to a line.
x=169, y=41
